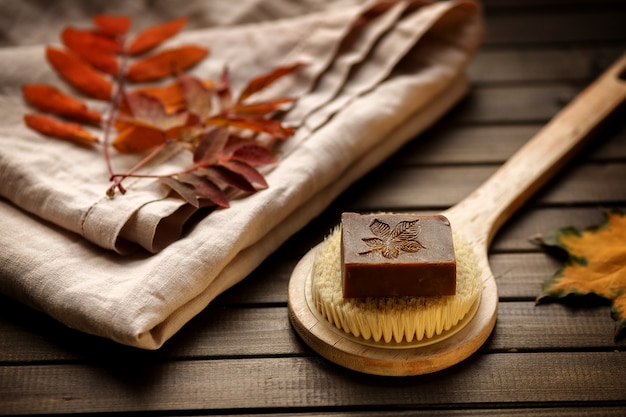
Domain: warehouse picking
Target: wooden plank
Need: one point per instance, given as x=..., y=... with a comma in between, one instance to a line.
x=568, y=411
x=514, y=4
x=280, y=383
x=514, y=104
x=556, y=25
x=420, y=188
x=574, y=64
x=262, y=332
x=494, y=144
x=523, y=326
x=521, y=276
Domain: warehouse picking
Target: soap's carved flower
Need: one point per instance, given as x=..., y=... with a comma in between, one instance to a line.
x=391, y=242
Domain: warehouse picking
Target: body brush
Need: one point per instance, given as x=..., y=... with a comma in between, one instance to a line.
x=410, y=335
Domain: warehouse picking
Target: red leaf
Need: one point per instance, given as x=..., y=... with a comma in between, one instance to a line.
x=148, y=110
x=61, y=130
x=187, y=193
x=205, y=189
x=49, y=99
x=79, y=74
x=112, y=25
x=254, y=154
x=272, y=127
x=247, y=171
x=261, y=82
x=224, y=93
x=198, y=96
x=155, y=35
x=227, y=177
x=95, y=49
x=166, y=63
x=210, y=146
x=171, y=96
x=90, y=39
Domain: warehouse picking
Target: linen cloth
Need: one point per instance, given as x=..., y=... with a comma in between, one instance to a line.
x=377, y=74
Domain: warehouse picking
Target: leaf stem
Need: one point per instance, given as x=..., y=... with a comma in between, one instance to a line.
x=173, y=174
x=118, y=178
x=112, y=111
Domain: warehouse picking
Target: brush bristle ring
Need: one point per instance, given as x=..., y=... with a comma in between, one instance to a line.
x=393, y=320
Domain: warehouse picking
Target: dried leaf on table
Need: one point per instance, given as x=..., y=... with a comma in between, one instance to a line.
x=227, y=139
x=198, y=95
x=155, y=35
x=135, y=138
x=227, y=178
x=166, y=63
x=260, y=109
x=256, y=124
x=170, y=95
x=83, y=39
x=205, y=189
x=49, y=99
x=253, y=154
x=595, y=265
x=80, y=74
x=112, y=25
x=263, y=81
x=210, y=147
x=247, y=171
x=55, y=128
x=147, y=110
x=98, y=50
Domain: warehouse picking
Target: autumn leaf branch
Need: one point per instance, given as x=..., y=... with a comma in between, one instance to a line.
x=229, y=137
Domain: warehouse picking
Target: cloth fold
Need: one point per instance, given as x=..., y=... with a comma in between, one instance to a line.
x=377, y=75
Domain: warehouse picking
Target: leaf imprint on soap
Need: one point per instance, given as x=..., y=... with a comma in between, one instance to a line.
x=391, y=242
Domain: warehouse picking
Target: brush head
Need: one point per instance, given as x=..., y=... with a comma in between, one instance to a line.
x=391, y=319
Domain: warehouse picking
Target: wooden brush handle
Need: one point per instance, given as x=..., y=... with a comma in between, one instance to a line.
x=483, y=212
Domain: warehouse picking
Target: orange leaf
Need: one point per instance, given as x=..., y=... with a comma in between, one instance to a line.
x=596, y=264
x=61, y=130
x=166, y=63
x=49, y=99
x=112, y=25
x=96, y=49
x=263, y=81
x=135, y=138
x=90, y=39
x=171, y=96
x=272, y=127
x=155, y=35
x=80, y=74
x=260, y=109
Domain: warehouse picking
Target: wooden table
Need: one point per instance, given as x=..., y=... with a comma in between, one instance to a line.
x=241, y=357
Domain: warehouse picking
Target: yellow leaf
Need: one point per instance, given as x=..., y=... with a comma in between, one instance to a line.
x=596, y=264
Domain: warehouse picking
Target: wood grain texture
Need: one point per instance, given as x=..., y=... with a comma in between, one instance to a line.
x=558, y=25
x=266, y=332
x=281, y=383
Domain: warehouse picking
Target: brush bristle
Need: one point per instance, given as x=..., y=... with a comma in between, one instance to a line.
x=391, y=319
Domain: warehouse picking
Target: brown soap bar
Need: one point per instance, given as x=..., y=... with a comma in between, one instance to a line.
x=387, y=255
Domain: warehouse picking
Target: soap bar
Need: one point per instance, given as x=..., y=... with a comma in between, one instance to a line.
x=387, y=255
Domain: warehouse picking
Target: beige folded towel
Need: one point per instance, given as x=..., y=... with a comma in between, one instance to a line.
x=377, y=75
